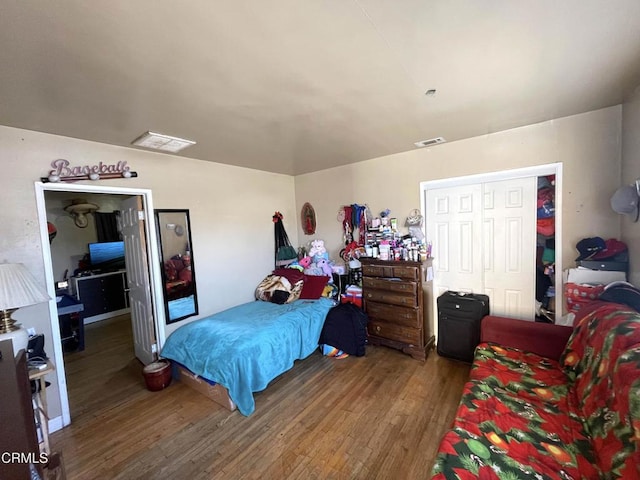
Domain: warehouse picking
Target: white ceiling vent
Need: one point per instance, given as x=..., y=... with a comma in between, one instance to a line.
x=431, y=141
x=158, y=141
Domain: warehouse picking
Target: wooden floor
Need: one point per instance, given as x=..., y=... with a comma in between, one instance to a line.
x=375, y=417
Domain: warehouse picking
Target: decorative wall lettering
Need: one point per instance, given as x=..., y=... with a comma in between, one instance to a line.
x=63, y=171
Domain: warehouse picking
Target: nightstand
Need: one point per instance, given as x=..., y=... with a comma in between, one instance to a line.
x=40, y=403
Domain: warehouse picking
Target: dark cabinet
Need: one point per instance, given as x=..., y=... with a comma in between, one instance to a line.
x=103, y=296
x=17, y=421
x=394, y=301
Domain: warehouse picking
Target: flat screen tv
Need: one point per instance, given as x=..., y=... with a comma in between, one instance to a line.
x=107, y=255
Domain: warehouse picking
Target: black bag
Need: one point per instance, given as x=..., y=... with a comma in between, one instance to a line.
x=345, y=328
x=35, y=348
x=284, y=251
x=459, y=318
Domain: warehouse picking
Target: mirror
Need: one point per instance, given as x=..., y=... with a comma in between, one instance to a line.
x=176, y=255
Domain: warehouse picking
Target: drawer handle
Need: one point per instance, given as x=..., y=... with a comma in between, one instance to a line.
x=378, y=328
x=369, y=295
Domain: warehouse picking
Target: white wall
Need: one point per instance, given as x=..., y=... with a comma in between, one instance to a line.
x=588, y=145
x=231, y=207
x=230, y=211
x=630, y=173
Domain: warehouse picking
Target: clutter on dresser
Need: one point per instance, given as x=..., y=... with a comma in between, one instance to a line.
x=386, y=242
x=380, y=237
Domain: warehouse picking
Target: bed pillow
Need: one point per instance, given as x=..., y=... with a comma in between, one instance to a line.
x=277, y=289
x=313, y=286
x=296, y=291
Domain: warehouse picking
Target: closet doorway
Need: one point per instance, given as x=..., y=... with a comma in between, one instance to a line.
x=136, y=205
x=483, y=231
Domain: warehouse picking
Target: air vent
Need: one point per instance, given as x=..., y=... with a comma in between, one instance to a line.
x=158, y=141
x=431, y=141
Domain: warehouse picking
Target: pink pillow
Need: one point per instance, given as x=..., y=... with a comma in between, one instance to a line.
x=313, y=286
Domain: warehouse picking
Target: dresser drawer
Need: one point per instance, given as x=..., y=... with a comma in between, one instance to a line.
x=394, y=298
x=392, y=285
x=410, y=317
x=389, y=271
x=399, y=333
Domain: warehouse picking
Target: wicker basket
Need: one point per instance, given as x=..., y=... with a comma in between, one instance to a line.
x=157, y=375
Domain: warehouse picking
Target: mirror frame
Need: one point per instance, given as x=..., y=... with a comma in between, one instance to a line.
x=163, y=232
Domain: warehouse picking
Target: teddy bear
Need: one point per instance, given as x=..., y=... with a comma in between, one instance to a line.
x=318, y=250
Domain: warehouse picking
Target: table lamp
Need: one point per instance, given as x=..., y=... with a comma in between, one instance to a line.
x=18, y=289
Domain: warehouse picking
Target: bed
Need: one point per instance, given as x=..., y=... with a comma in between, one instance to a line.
x=245, y=347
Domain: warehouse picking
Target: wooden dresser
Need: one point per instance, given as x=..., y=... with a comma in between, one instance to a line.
x=393, y=298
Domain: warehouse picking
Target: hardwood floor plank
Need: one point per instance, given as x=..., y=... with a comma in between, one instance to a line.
x=379, y=416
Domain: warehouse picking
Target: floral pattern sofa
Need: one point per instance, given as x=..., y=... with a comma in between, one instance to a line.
x=550, y=402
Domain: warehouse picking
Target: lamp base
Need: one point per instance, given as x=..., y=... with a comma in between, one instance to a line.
x=19, y=338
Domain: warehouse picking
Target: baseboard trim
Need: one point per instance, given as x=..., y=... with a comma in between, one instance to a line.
x=105, y=316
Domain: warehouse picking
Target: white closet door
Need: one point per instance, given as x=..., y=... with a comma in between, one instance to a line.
x=509, y=246
x=484, y=241
x=454, y=226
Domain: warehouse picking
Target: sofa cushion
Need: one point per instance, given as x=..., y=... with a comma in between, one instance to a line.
x=534, y=378
x=515, y=420
x=601, y=359
x=498, y=434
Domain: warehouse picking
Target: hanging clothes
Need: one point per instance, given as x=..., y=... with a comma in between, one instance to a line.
x=347, y=225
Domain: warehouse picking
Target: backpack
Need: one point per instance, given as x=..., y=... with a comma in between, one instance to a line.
x=345, y=328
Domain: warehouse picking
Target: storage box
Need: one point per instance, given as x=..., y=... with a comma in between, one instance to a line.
x=604, y=265
x=586, y=275
x=215, y=392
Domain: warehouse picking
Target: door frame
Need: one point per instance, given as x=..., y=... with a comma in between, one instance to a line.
x=154, y=275
x=534, y=171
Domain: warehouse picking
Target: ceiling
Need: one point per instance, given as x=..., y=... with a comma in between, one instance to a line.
x=296, y=86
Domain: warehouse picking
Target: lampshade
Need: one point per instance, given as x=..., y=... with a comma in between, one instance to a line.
x=18, y=289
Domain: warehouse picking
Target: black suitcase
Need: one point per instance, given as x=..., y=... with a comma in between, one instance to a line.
x=459, y=317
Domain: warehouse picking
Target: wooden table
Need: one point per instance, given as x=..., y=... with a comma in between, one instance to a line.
x=40, y=402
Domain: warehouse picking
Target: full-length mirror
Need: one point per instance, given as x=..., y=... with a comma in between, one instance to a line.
x=178, y=272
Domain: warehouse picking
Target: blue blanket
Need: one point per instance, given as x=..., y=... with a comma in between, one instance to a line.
x=245, y=347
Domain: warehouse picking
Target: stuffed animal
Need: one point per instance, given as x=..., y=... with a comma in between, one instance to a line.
x=313, y=270
x=305, y=262
x=325, y=265
x=297, y=265
x=317, y=248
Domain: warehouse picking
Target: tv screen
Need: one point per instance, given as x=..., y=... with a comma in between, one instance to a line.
x=107, y=255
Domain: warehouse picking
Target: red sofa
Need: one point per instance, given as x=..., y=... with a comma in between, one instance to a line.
x=550, y=402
